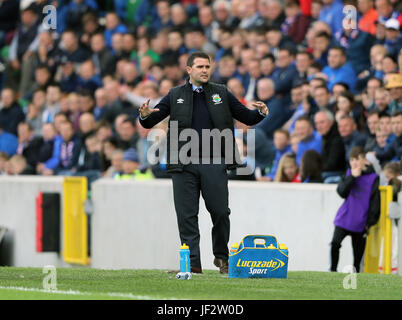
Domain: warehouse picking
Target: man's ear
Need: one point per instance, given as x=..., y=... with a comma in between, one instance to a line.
x=188, y=69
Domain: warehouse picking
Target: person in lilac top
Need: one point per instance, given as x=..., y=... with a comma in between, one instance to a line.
x=359, y=211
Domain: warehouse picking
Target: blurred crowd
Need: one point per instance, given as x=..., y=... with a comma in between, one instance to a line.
x=72, y=80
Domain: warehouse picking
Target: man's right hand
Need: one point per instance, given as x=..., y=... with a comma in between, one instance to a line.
x=145, y=110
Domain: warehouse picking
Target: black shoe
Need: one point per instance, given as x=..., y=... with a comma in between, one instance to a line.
x=222, y=264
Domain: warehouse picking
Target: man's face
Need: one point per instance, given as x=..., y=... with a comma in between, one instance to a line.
x=346, y=127
x=23, y=132
x=396, y=93
x=335, y=59
x=337, y=90
x=200, y=71
x=127, y=131
x=322, y=123
x=302, y=62
x=267, y=66
x=265, y=89
x=385, y=125
x=284, y=59
x=303, y=129
x=372, y=123
x=297, y=95
x=66, y=131
x=280, y=140
x=7, y=97
x=372, y=86
x=322, y=97
x=381, y=100
x=396, y=123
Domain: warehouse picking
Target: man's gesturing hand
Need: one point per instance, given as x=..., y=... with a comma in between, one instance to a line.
x=262, y=107
x=145, y=110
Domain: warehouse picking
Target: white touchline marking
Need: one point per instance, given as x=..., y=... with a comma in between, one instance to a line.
x=75, y=292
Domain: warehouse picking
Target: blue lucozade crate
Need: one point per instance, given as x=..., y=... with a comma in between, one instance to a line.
x=258, y=256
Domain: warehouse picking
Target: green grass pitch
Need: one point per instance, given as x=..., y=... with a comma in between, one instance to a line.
x=94, y=284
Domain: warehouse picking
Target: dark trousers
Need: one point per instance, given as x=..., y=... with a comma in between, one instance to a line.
x=211, y=181
x=358, y=244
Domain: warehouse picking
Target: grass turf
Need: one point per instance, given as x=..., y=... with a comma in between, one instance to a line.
x=94, y=284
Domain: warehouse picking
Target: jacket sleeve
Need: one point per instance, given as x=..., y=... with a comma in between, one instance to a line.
x=375, y=204
x=242, y=113
x=156, y=117
x=345, y=185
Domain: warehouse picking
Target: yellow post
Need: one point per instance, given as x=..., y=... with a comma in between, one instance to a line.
x=75, y=221
x=380, y=237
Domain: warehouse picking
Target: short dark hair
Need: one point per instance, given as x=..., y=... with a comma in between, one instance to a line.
x=195, y=55
x=357, y=151
x=396, y=113
x=339, y=48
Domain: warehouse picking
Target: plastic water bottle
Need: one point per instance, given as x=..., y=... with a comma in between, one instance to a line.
x=185, y=268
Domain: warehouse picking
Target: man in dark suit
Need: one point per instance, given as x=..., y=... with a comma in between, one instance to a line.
x=196, y=107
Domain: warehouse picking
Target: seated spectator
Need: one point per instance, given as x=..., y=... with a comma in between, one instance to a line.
x=369, y=16
x=277, y=40
x=304, y=60
x=45, y=153
x=4, y=157
x=52, y=105
x=381, y=101
x=131, y=169
x=128, y=135
x=279, y=111
x=393, y=38
x=34, y=115
x=322, y=98
x=90, y=167
x=299, y=106
x=311, y=167
x=285, y=74
x=346, y=106
x=29, y=145
x=332, y=14
x=102, y=58
x=267, y=65
x=116, y=167
x=321, y=46
x=350, y=136
x=282, y=146
x=338, y=69
x=8, y=142
x=385, y=125
x=373, y=120
x=11, y=113
x=88, y=79
x=288, y=170
x=333, y=149
x=225, y=70
x=296, y=23
x=72, y=49
x=70, y=147
x=394, y=86
x=24, y=43
x=356, y=44
x=20, y=166
x=393, y=152
x=68, y=77
x=113, y=26
x=308, y=137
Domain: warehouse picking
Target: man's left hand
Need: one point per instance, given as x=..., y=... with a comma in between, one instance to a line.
x=262, y=107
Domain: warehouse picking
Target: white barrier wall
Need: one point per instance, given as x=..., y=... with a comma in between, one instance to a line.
x=134, y=223
x=18, y=215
